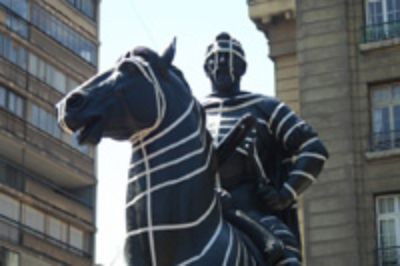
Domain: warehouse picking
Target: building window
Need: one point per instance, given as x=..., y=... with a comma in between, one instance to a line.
x=49, y=74
x=20, y=7
x=76, y=237
x=388, y=223
x=44, y=120
x=17, y=25
x=33, y=218
x=12, y=102
x=13, y=51
x=64, y=34
x=57, y=229
x=9, y=207
x=47, y=122
x=87, y=7
x=385, y=117
x=8, y=257
x=11, y=177
x=383, y=20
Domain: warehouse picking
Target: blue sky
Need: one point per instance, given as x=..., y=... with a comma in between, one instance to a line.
x=154, y=23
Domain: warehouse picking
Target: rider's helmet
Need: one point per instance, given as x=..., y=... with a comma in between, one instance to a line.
x=225, y=52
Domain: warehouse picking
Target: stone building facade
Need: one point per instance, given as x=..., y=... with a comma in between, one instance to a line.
x=47, y=181
x=337, y=63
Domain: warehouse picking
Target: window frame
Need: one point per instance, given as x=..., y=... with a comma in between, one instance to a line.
x=385, y=11
x=13, y=102
x=393, y=132
x=395, y=215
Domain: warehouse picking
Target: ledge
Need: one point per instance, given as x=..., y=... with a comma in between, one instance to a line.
x=365, y=47
x=265, y=10
x=375, y=155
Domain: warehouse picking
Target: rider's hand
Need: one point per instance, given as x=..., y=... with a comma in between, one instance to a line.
x=225, y=199
x=273, y=199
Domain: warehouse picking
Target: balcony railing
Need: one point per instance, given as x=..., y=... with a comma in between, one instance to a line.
x=389, y=256
x=14, y=231
x=380, y=32
x=385, y=141
x=12, y=176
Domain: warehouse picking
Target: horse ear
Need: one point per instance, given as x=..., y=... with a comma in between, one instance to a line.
x=169, y=53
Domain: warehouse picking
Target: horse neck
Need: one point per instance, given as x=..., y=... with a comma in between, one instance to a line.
x=172, y=177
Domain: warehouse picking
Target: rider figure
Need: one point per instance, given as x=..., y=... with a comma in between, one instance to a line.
x=278, y=160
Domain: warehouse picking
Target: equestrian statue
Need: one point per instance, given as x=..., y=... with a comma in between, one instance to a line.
x=175, y=212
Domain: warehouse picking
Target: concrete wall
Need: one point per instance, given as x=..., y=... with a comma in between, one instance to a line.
x=328, y=77
x=330, y=215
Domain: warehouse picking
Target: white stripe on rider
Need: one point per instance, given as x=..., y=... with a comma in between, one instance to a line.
x=307, y=142
x=311, y=154
x=282, y=122
x=305, y=174
x=274, y=113
x=290, y=131
x=236, y=107
x=291, y=190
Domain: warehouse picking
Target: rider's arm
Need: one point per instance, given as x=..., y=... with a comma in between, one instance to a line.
x=302, y=144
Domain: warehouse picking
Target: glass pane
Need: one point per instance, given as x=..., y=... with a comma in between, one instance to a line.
x=396, y=114
x=35, y=116
x=21, y=57
x=11, y=106
x=2, y=97
x=57, y=229
x=49, y=75
x=76, y=237
x=386, y=205
x=375, y=12
x=60, y=81
x=396, y=92
x=41, y=71
x=380, y=119
x=9, y=207
x=33, y=65
x=393, y=9
x=21, y=8
x=12, y=259
x=381, y=129
x=388, y=233
x=19, y=107
x=398, y=210
x=72, y=84
x=381, y=96
x=33, y=218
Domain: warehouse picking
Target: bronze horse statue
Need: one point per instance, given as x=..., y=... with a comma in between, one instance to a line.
x=173, y=215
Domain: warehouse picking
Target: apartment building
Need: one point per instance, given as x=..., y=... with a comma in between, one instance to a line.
x=47, y=181
x=337, y=63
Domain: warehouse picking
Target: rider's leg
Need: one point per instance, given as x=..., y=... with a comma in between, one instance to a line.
x=271, y=246
x=291, y=254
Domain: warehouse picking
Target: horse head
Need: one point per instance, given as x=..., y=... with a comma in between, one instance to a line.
x=123, y=102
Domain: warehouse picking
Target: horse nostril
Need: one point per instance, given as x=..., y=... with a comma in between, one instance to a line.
x=75, y=101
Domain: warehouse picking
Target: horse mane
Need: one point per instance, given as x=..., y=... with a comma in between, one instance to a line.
x=157, y=63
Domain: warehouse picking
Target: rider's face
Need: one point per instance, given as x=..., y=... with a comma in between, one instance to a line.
x=222, y=72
